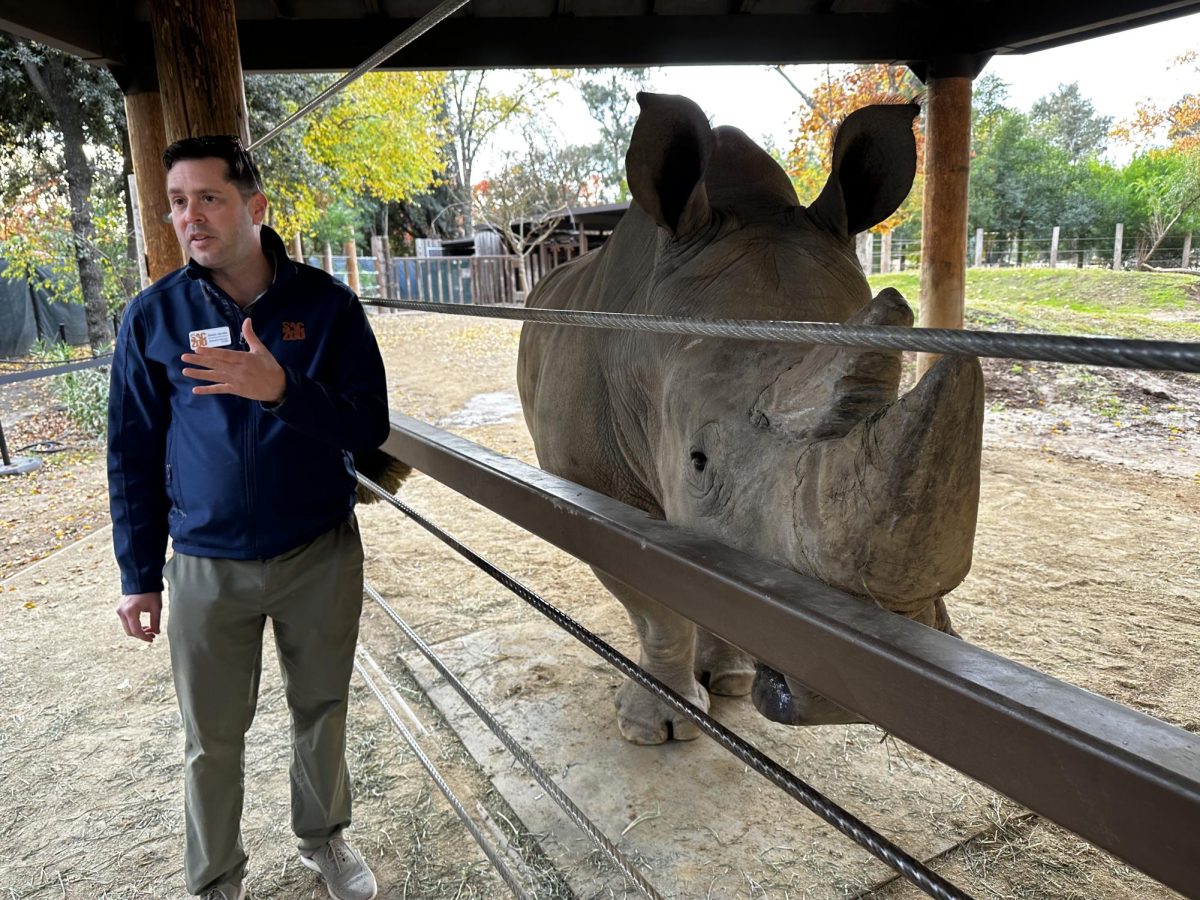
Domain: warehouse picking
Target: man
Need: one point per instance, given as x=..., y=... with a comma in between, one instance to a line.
x=241, y=384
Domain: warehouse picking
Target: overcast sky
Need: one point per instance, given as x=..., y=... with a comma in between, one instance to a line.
x=1114, y=72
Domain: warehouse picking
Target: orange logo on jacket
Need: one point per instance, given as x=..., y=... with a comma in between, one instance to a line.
x=293, y=331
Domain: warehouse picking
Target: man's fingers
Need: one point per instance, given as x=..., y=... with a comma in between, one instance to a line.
x=205, y=374
x=154, y=614
x=131, y=621
x=252, y=340
x=211, y=356
x=214, y=389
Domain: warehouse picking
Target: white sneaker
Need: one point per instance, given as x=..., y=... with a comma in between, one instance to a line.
x=345, y=872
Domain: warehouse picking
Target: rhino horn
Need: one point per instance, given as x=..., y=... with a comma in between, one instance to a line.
x=835, y=388
x=897, y=496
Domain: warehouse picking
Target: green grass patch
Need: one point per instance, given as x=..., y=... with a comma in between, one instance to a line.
x=1146, y=305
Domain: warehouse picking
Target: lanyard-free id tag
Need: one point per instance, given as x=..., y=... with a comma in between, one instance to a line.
x=209, y=337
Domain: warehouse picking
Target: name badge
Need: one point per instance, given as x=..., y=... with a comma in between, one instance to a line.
x=209, y=337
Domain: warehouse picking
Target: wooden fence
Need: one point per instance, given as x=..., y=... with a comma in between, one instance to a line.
x=440, y=279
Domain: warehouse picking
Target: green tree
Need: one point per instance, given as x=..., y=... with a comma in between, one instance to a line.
x=296, y=183
x=1164, y=185
x=611, y=99
x=530, y=198
x=1164, y=180
x=1068, y=120
x=328, y=175
x=474, y=111
x=57, y=108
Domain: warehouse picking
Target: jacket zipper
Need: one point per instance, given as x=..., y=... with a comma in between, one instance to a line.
x=236, y=317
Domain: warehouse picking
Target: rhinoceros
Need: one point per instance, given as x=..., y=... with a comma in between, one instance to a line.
x=798, y=454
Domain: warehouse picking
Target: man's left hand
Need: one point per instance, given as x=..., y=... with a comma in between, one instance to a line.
x=253, y=374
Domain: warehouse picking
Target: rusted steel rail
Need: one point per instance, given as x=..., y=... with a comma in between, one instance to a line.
x=1122, y=780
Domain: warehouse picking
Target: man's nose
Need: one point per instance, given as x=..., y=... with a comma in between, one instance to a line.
x=192, y=212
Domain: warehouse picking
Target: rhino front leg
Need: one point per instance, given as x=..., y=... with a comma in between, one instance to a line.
x=668, y=645
x=722, y=667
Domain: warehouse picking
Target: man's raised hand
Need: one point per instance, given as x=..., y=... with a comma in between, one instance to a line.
x=253, y=374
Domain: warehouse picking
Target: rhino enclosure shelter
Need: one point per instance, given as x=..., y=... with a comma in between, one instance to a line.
x=180, y=65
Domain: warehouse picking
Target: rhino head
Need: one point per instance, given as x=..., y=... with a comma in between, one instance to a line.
x=801, y=454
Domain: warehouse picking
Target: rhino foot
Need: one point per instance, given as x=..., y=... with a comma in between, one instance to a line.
x=783, y=700
x=644, y=719
x=721, y=667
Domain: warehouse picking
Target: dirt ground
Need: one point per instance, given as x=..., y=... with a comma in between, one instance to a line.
x=1085, y=568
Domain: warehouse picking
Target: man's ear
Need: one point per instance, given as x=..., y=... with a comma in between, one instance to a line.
x=258, y=207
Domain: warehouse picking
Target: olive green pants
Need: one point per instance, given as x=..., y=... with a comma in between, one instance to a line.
x=215, y=618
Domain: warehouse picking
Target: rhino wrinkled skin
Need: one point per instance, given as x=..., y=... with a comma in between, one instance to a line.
x=794, y=453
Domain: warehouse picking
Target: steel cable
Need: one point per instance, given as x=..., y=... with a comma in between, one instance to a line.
x=47, y=371
x=406, y=37
x=573, y=812
x=1176, y=356
x=501, y=866
x=857, y=830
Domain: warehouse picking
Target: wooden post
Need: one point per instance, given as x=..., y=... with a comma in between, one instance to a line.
x=860, y=251
x=1117, y=247
x=885, y=253
x=297, y=248
x=147, y=140
x=1186, y=256
x=199, y=68
x=351, y=252
x=978, y=247
x=944, y=212
x=381, y=273
x=327, y=259
x=1054, y=248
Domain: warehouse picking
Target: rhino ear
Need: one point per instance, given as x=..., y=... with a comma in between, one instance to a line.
x=874, y=162
x=668, y=153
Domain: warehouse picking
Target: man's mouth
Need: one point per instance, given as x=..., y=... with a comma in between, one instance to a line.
x=199, y=238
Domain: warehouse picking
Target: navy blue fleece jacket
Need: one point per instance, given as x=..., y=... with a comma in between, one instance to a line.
x=226, y=476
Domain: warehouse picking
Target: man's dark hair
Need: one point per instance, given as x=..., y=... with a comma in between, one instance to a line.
x=239, y=167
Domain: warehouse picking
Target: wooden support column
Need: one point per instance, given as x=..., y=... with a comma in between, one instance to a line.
x=199, y=68
x=147, y=140
x=944, y=215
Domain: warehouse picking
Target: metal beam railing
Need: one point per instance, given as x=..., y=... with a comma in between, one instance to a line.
x=1122, y=780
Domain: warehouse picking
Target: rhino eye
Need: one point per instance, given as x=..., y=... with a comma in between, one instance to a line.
x=699, y=460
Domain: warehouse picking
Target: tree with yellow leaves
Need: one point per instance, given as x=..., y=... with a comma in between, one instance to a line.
x=826, y=106
x=1166, y=179
x=377, y=141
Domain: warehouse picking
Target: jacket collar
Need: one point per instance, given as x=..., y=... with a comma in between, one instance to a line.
x=272, y=246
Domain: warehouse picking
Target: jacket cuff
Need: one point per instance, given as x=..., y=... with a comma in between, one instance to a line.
x=142, y=584
x=288, y=381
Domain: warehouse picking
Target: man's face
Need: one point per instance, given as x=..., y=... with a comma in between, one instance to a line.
x=215, y=223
